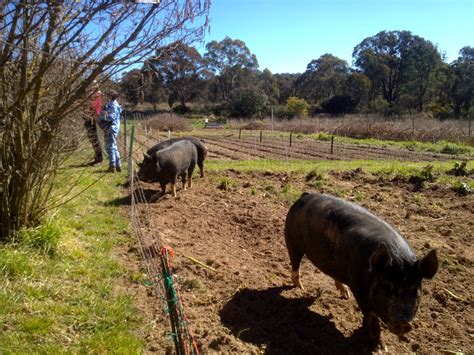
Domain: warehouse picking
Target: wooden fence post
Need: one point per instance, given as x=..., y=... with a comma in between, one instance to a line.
x=240, y=132
x=291, y=138
x=470, y=119
x=332, y=144
x=272, y=118
x=260, y=136
x=125, y=135
x=130, y=160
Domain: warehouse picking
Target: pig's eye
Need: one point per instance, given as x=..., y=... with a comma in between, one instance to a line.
x=388, y=287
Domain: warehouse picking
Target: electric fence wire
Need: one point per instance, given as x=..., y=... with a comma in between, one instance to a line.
x=160, y=276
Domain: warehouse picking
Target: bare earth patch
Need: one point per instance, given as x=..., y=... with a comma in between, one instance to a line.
x=248, y=305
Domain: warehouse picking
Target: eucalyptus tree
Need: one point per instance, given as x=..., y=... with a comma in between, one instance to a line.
x=399, y=64
x=423, y=64
x=232, y=63
x=359, y=88
x=269, y=85
x=181, y=69
x=51, y=52
x=286, y=85
x=324, y=77
x=463, y=85
x=131, y=86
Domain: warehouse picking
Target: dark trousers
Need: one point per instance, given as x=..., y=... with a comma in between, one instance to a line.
x=91, y=129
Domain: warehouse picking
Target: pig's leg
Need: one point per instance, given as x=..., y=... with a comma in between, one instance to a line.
x=163, y=189
x=173, y=186
x=183, y=179
x=372, y=326
x=295, y=260
x=190, y=177
x=343, y=289
x=201, y=168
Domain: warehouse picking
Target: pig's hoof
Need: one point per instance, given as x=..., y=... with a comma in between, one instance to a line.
x=381, y=348
x=343, y=289
x=295, y=277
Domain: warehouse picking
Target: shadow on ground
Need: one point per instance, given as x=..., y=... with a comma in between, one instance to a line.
x=286, y=325
x=141, y=196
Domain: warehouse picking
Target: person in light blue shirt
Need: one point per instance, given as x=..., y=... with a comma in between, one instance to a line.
x=109, y=121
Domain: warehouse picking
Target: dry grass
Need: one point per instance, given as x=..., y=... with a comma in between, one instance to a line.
x=358, y=126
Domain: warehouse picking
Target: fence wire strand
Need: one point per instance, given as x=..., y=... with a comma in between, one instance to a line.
x=156, y=258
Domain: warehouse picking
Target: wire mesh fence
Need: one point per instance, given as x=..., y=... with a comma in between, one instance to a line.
x=156, y=258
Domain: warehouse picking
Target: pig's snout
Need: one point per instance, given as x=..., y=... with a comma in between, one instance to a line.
x=400, y=328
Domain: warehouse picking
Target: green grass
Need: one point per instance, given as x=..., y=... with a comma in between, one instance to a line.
x=323, y=166
x=437, y=147
x=198, y=123
x=59, y=282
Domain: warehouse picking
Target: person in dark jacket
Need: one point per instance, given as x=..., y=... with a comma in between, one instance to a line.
x=90, y=123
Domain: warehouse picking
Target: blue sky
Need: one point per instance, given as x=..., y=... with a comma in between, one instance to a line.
x=286, y=35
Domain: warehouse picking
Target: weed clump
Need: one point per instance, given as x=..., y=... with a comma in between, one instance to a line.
x=44, y=238
x=225, y=184
x=461, y=188
x=424, y=175
x=459, y=169
x=14, y=263
x=313, y=175
x=454, y=149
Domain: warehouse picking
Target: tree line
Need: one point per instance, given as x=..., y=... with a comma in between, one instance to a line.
x=393, y=72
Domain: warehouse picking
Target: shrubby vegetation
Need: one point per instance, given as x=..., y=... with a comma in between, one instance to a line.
x=394, y=73
x=52, y=55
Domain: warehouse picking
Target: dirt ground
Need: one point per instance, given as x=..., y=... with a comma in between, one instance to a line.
x=247, y=305
x=226, y=145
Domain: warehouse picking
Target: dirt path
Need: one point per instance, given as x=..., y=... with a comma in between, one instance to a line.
x=248, y=306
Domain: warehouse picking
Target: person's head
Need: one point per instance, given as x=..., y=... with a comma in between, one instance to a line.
x=113, y=95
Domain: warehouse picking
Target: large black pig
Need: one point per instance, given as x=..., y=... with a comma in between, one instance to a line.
x=360, y=250
x=164, y=166
x=201, y=149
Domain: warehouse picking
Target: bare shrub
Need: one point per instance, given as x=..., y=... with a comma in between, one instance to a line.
x=50, y=55
x=167, y=122
x=356, y=126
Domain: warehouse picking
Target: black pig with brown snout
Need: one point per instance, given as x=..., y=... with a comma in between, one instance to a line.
x=165, y=166
x=360, y=250
x=198, y=143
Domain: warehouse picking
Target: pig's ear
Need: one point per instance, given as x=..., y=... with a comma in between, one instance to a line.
x=380, y=258
x=428, y=265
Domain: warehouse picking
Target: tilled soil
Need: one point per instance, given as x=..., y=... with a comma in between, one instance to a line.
x=247, y=305
x=231, y=147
